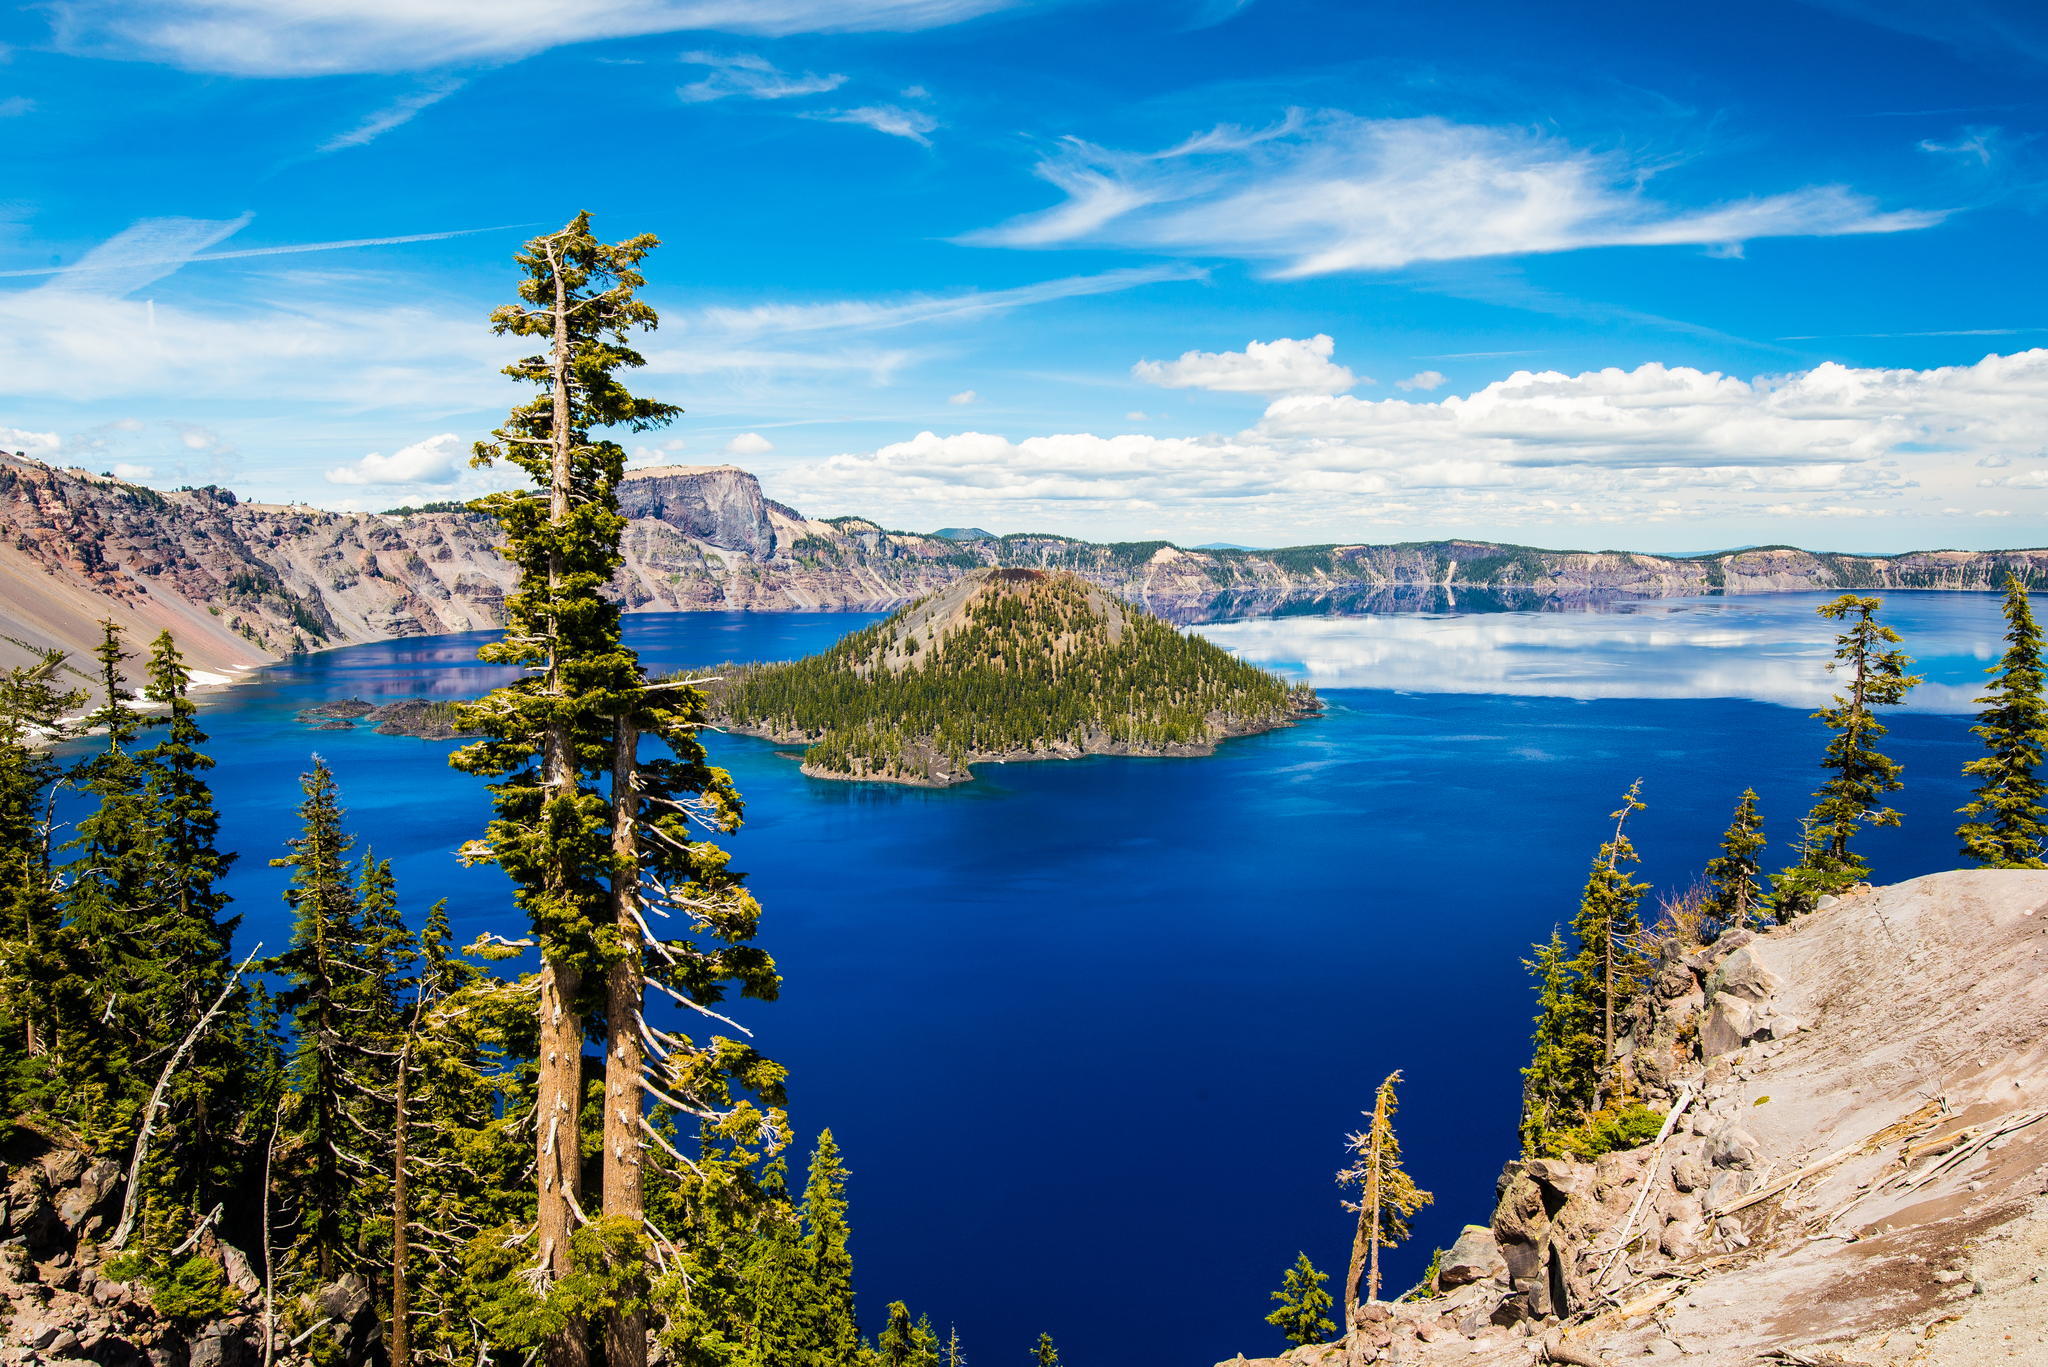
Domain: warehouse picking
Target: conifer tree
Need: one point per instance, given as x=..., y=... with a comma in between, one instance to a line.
x=1607, y=971
x=2009, y=819
x=1553, y=1090
x=32, y=707
x=1045, y=1355
x=1387, y=1195
x=345, y=1034
x=1302, y=1314
x=190, y=939
x=954, y=1357
x=1735, y=892
x=101, y=1018
x=1859, y=776
x=592, y=836
x=836, y=1332
x=903, y=1343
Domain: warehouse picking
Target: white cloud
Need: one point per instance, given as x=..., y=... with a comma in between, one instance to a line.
x=14, y=106
x=152, y=248
x=965, y=396
x=1282, y=366
x=41, y=445
x=1422, y=379
x=319, y=37
x=1333, y=192
x=1653, y=444
x=134, y=474
x=1136, y=415
x=399, y=111
x=749, y=444
x=913, y=124
x=436, y=460
x=750, y=77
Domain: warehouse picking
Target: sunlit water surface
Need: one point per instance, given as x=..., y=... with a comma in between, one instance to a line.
x=1091, y=1032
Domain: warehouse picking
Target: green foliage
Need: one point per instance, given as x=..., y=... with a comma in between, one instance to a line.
x=903, y=1343
x=1584, y=990
x=1034, y=664
x=188, y=1291
x=1044, y=1354
x=1303, y=1312
x=1735, y=891
x=827, y=1258
x=1624, y=1125
x=1859, y=776
x=2009, y=822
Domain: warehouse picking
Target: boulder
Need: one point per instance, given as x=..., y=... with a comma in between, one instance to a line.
x=1475, y=1257
x=1743, y=975
x=1729, y=1026
x=85, y=1208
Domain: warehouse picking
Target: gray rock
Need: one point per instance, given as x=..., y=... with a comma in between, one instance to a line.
x=1743, y=975
x=1475, y=1257
x=1687, y=1174
x=220, y=1345
x=84, y=1209
x=1729, y=1026
x=1732, y=1147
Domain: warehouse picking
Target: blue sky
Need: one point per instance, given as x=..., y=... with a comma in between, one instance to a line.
x=1269, y=272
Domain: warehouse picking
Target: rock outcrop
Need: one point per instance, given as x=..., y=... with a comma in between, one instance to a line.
x=67, y=1300
x=241, y=583
x=1854, y=1169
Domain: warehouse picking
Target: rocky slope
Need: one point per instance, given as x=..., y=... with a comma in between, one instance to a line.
x=1855, y=1172
x=242, y=583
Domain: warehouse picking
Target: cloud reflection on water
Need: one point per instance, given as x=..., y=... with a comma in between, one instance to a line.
x=1768, y=649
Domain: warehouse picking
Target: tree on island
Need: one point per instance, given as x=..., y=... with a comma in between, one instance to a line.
x=1302, y=1314
x=1387, y=1196
x=2009, y=820
x=593, y=837
x=1735, y=890
x=1860, y=777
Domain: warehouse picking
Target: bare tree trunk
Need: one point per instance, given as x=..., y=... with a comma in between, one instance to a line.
x=1373, y=1200
x=625, y=1332
x=269, y=1257
x=1359, y=1239
x=156, y=1103
x=560, y=1079
x=401, y=1218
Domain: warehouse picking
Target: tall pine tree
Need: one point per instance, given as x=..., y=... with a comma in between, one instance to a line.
x=33, y=703
x=593, y=837
x=1387, y=1195
x=1860, y=778
x=1735, y=891
x=835, y=1338
x=1607, y=972
x=2008, y=828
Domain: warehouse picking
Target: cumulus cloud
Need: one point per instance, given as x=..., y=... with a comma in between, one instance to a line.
x=41, y=445
x=1282, y=366
x=1653, y=444
x=749, y=444
x=436, y=460
x=749, y=77
x=1422, y=379
x=1330, y=192
x=134, y=474
x=320, y=37
x=913, y=124
x=965, y=396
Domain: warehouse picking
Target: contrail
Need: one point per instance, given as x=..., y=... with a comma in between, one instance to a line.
x=284, y=251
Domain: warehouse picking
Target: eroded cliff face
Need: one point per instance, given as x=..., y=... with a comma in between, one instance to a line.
x=242, y=583
x=1854, y=1173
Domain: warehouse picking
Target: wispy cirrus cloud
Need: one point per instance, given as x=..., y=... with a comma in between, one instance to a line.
x=1328, y=192
x=867, y=315
x=153, y=248
x=323, y=37
x=750, y=77
x=897, y=122
x=399, y=112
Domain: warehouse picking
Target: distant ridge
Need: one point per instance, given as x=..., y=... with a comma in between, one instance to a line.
x=242, y=583
x=964, y=534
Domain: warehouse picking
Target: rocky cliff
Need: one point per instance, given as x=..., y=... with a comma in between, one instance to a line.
x=241, y=583
x=1854, y=1169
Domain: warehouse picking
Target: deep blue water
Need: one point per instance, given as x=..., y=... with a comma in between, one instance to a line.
x=1091, y=1032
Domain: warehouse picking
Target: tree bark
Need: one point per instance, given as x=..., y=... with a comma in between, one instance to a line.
x=401, y=1216
x=1373, y=1195
x=560, y=1079
x=625, y=1331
